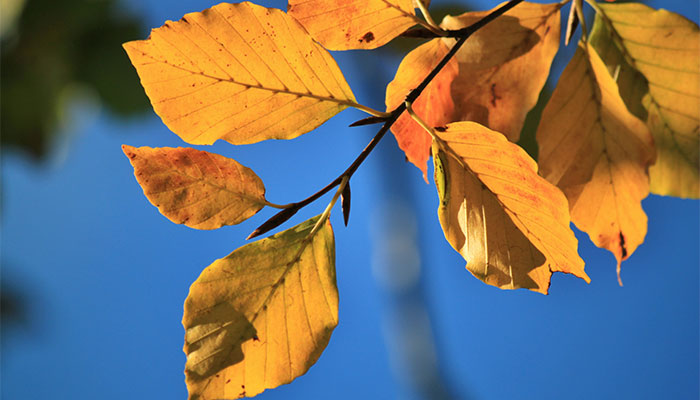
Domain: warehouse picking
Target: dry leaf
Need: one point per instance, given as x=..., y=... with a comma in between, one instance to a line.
x=238, y=72
x=504, y=66
x=434, y=105
x=665, y=48
x=196, y=188
x=598, y=153
x=509, y=224
x=354, y=24
x=261, y=316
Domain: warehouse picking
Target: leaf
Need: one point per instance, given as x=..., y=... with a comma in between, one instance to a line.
x=509, y=224
x=434, y=104
x=632, y=85
x=665, y=48
x=491, y=87
x=261, y=316
x=354, y=24
x=597, y=153
x=238, y=72
x=199, y=189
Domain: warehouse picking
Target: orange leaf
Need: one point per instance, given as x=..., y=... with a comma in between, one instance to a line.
x=504, y=66
x=238, y=72
x=598, y=153
x=199, y=189
x=434, y=104
x=509, y=224
x=354, y=24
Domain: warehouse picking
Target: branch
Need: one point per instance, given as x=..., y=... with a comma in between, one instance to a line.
x=462, y=35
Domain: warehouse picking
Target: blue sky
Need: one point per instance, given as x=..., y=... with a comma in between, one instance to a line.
x=105, y=275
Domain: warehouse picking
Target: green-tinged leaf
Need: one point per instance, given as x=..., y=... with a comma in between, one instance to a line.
x=261, y=316
x=354, y=24
x=509, y=224
x=598, y=154
x=199, y=189
x=665, y=48
x=238, y=72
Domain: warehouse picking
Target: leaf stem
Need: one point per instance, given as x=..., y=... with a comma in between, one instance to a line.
x=368, y=110
x=462, y=35
x=327, y=211
x=428, y=18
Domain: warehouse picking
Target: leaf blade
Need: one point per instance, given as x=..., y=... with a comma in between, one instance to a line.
x=434, y=104
x=283, y=292
x=510, y=225
x=599, y=159
x=354, y=24
x=490, y=89
x=196, y=188
x=665, y=48
x=238, y=72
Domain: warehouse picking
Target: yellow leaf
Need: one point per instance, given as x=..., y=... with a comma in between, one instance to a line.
x=238, y=72
x=196, y=188
x=261, y=316
x=665, y=48
x=509, y=224
x=354, y=24
x=434, y=104
x=504, y=66
x=598, y=153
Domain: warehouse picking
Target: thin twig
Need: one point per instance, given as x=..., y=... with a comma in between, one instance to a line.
x=462, y=35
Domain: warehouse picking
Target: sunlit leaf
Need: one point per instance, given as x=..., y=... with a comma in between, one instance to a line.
x=504, y=66
x=665, y=48
x=261, y=316
x=434, y=105
x=238, y=72
x=196, y=188
x=598, y=153
x=354, y=24
x=509, y=224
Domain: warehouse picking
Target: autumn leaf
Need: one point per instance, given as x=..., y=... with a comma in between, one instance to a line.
x=199, y=189
x=598, y=153
x=509, y=224
x=504, y=66
x=238, y=72
x=261, y=316
x=354, y=24
x=665, y=48
x=435, y=103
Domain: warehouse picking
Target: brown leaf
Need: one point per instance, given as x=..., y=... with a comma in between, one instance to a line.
x=504, y=66
x=509, y=224
x=434, y=105
x=199, y=189
x=598, y=153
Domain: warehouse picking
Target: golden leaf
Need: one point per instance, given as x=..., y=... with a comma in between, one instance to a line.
x=238, y=72
x=434, y=104
x=354, y=24
x=598, y=153
x=665, y=48
x=196, y=188
x=261, y=316
x=509, y=224
x=504, y=66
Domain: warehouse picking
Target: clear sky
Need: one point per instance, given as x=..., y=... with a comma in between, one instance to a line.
x=104, y=275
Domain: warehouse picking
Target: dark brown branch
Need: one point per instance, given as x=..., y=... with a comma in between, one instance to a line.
x=462, y=35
